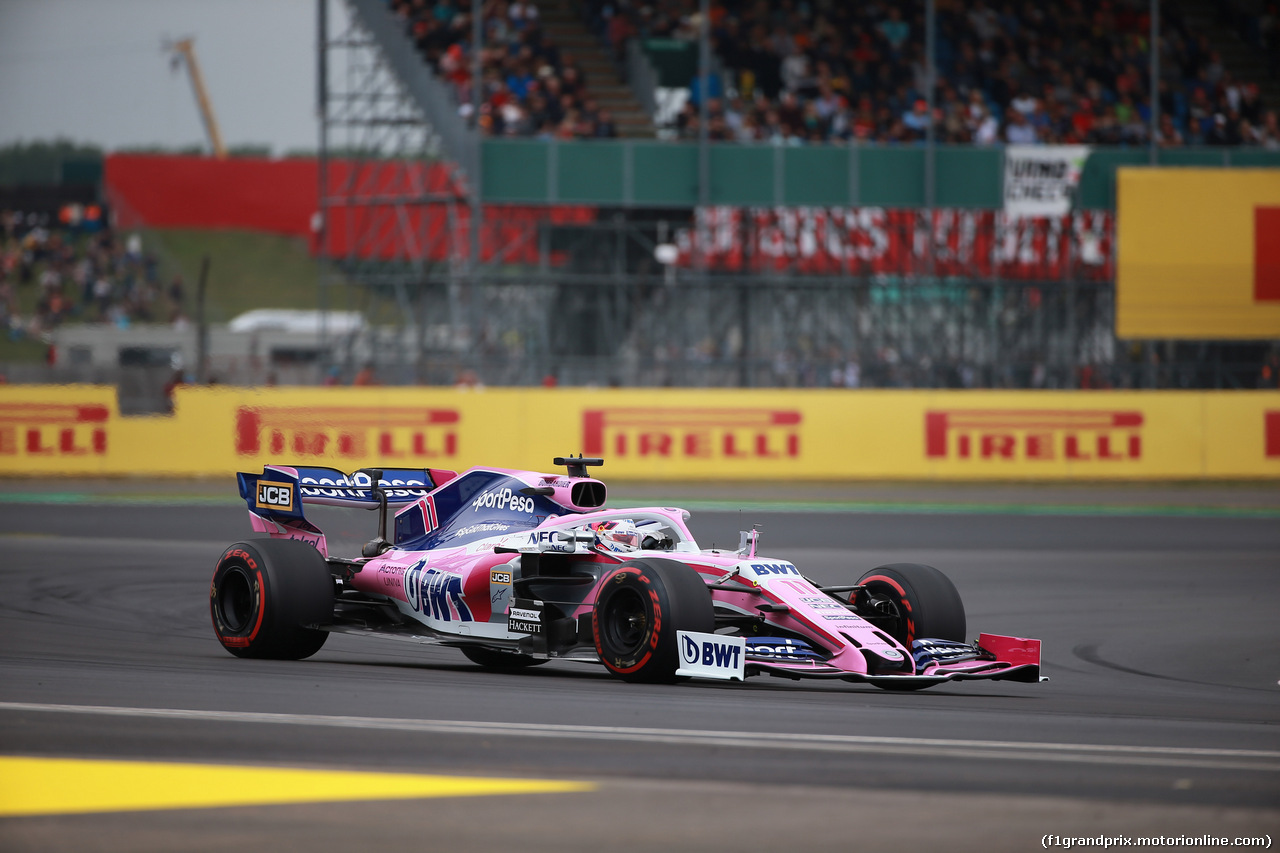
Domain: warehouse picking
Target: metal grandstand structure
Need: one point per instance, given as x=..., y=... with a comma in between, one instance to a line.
x=384, y=193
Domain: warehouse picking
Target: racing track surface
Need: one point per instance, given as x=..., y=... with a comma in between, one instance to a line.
x=1162, y=715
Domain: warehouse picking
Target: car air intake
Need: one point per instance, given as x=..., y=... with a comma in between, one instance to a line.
x=588, y=494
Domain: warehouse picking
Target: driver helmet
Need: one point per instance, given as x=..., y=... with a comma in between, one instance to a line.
x=616, y=536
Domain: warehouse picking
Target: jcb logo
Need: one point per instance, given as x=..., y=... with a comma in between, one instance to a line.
x=275, y=496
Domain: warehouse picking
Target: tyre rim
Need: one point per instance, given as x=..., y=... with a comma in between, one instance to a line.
x=235, y=600
x=885, y=601
x=625, y=622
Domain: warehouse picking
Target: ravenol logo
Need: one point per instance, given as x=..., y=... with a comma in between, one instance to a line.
x=692, y=433
x=275, y=496
x=1033, y=434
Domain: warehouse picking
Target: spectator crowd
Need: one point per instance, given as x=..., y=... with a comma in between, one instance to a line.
x=1018, y=72
x=530, y=87
x=57, y=270
x=813, y=71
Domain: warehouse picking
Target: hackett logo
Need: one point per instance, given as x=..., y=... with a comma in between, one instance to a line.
x=692, y=433
x=347, y=431
x=1033, y=434
x=53, y=429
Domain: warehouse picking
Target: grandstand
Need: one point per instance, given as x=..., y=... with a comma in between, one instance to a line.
x=838, y=72
x=571, y=219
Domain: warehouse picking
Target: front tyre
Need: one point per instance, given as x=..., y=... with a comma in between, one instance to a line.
x=638, y=610
x=264, y=596
x=910, y=601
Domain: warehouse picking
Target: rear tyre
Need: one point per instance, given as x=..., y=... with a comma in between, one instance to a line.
x=638, y=610
x=494, y=659
x=265, y=593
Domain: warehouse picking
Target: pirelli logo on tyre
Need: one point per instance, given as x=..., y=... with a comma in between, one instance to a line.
x=692, y=433
x=1085, y=435
x=277, y=496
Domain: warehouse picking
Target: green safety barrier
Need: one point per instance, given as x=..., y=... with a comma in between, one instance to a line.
x=665, y=174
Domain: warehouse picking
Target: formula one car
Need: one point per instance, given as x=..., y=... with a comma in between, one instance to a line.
x=516, y=568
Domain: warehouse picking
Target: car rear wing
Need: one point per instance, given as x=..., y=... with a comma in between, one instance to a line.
x=281, y=490
x=276, y=496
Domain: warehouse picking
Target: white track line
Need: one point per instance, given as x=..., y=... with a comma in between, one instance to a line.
x=1085, y=753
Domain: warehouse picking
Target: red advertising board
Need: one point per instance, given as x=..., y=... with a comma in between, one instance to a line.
x=882, y=241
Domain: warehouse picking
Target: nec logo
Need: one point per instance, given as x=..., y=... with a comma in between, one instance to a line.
x=275, y=496
x=1033, y=434
x=53, y=429
x=693, y=433
x=347, y=431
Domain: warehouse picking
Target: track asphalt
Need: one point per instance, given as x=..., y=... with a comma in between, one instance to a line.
x=1156, y=607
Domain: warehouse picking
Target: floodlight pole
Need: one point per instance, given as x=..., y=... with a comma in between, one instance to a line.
x=1154, y=49
x=477, y=97
x=930, y=142
x=322, y=163
x=704, y=138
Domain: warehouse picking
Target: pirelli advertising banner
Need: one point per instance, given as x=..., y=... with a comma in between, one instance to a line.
x=1198, y=253
x=693, y=434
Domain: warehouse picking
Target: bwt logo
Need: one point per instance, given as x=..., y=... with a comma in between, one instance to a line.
x=763, y=569
x=53, y=429
x=389, y=433
x=708, y=653
x=1033, y=434
x=435, y=594
x=275, y=496
x=692, y=433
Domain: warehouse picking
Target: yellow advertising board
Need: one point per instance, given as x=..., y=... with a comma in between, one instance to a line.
x=668, y=434
x=1198, y=253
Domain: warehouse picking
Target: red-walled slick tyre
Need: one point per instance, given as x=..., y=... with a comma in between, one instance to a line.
x=639, y=609
x=264, y=596
x=923, y=599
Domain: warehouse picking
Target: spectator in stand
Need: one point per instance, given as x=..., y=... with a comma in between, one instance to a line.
x=70, y=267
x=1019, y=131
x=1075, y=72
x=1169, y=136
x=529, y=88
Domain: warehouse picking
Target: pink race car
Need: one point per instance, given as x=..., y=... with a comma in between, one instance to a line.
x=515, y=568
